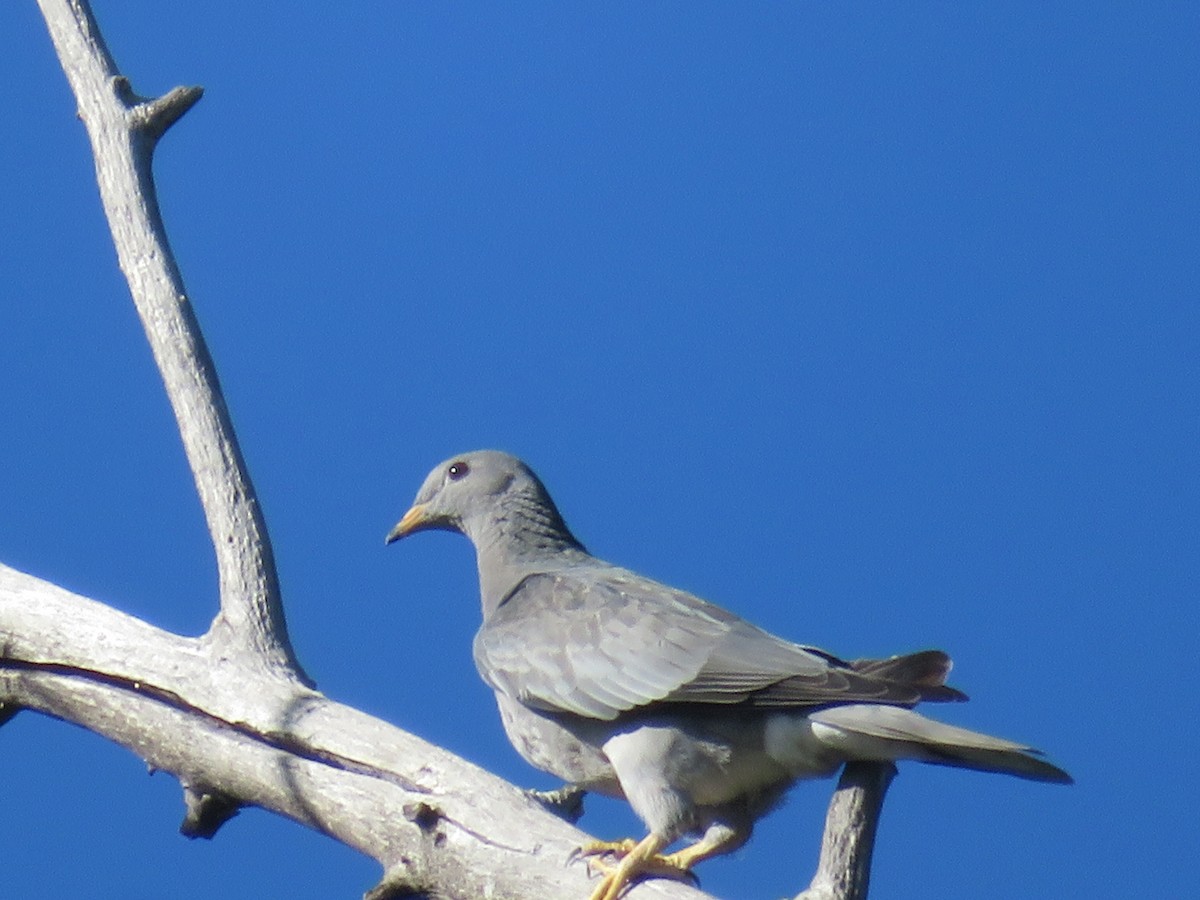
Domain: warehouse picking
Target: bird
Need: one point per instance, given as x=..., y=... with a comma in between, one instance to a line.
x=624, y=686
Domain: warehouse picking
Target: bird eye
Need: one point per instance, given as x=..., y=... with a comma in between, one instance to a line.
x=458, y=470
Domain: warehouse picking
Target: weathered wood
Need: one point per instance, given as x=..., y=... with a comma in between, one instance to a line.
x=124, y=129
x=844, y=869
x=231, y=713
x=226, y=728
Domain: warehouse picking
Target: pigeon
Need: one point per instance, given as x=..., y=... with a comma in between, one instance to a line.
x=624, y=686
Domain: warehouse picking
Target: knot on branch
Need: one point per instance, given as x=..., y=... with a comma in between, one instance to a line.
x=207, y=811
x=153, y=117
x=423, y=815
x=7, y=711
x=400, y=880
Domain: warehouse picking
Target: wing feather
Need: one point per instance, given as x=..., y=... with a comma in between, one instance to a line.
x=602, y=641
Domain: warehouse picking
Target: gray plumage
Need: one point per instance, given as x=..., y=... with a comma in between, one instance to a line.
x=628, y=687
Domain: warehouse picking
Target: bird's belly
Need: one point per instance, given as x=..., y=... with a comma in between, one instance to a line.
x=547, y=744
x=685, y=769
x=721, y=778
x=712, y=761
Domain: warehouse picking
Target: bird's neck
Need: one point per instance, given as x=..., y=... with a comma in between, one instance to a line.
x=525, y=537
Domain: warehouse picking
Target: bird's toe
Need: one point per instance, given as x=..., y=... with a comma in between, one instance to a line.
x=635, y=860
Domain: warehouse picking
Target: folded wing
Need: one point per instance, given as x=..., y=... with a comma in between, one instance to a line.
x=601, y=642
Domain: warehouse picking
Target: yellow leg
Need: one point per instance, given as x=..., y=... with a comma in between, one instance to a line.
x=712, y=844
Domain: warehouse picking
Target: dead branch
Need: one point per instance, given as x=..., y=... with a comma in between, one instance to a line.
x=231, y=713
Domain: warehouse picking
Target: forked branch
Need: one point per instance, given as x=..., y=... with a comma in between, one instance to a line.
x=124, y=130
x=231, y=714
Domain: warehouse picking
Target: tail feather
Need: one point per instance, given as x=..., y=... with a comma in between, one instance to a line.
x=926, y=670
x=876, y=732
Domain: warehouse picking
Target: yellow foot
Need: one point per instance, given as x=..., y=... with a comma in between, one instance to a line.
x=635, y=861
x=619, y=849
x=683, y=860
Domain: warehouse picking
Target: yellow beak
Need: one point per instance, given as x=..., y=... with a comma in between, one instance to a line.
x=412, y=520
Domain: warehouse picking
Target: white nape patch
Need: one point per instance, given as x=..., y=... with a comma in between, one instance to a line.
x=791, y=739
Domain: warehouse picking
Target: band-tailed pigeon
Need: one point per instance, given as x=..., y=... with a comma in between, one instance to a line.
x=625, y=686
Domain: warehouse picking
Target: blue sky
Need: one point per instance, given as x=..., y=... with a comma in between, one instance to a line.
x=875, y=323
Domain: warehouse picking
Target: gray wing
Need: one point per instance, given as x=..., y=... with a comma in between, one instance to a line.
x=600, y=642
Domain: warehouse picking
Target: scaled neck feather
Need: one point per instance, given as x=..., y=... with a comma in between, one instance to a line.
x=523, y=535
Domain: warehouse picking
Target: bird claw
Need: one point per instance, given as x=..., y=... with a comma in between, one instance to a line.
x=616, y=879
x=644, y=864
x=619, y=849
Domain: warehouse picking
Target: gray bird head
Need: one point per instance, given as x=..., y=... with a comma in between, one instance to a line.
x=488, y=496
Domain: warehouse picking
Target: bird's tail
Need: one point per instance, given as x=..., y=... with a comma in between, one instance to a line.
x=887, y=733
x=926, y=671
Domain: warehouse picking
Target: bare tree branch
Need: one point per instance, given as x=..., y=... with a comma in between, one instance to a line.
x=231, y=713
x=844, y=870
x=124, y=130
x=232, y=733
